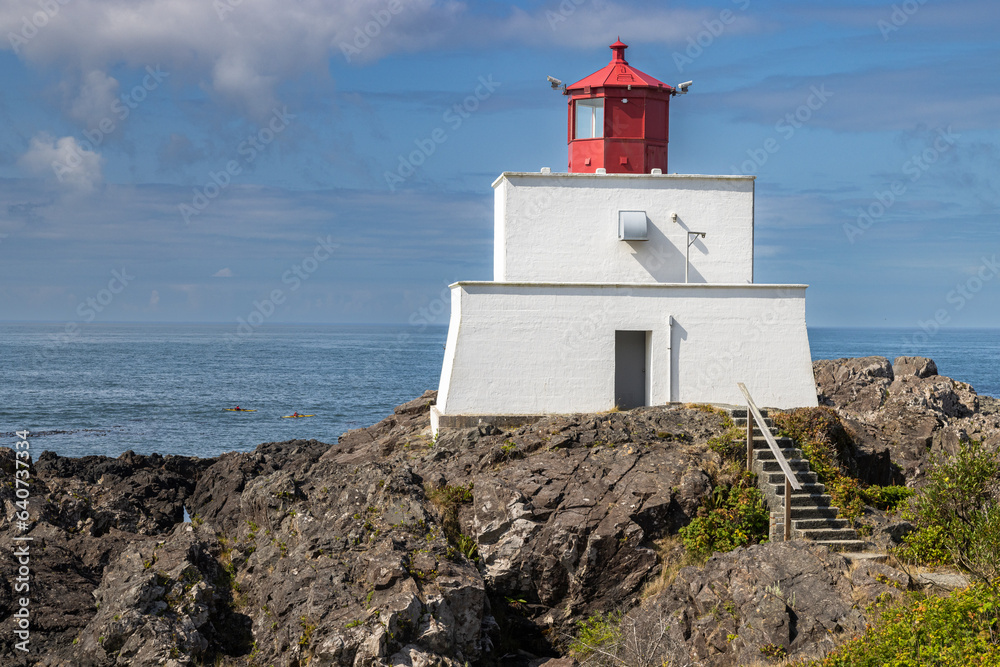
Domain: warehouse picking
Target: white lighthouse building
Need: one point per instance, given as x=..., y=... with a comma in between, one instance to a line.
x=617, y=284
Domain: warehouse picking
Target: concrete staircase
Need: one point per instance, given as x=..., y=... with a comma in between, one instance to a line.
x=814, y=517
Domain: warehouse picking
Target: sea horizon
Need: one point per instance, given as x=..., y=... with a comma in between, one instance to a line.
x=110, y=387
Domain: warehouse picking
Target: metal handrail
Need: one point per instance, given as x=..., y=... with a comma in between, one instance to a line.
x=790, y=481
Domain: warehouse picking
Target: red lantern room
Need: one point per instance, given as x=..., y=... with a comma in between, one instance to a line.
x=618, y=120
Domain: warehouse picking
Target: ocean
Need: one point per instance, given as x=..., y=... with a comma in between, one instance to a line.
x=968, y=355
x=109, y=388
x=164, y=388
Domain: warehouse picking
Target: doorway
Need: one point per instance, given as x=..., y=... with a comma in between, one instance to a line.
x=631, y=369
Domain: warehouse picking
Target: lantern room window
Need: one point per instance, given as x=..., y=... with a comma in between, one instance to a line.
x=590, y=118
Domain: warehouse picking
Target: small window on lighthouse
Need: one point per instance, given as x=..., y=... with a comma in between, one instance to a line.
x=590, y=118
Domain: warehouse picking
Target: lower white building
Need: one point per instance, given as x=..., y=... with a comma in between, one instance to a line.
x=621, y=290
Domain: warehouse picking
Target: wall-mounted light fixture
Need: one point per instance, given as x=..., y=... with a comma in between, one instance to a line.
x=692, y=237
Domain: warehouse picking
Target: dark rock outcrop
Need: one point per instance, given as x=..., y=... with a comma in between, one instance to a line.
x=385, y=547
x=854, y=386
x=767, y=600
x=86, y=512
x=164, y=601
x=565, y=511
x=921, y=367
x=389, y=547
x=905, y=408
x=135, y=494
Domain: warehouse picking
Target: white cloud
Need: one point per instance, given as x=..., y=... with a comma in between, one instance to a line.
x=154, y=298
x=593, y=24
x=239, y=50
x=246, y=48
x=93, y=103
x=64, y=161
x=235, y=76
x=223, y=273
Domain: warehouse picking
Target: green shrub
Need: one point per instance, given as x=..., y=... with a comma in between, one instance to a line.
x=846, y=492
x=731, y=444
x=889, y=498
x=451, y=497
x=637, y=639
x=962, y=629
x=734, y=516
x=773, y=651
x=958, y=513
x=925, y=546
x=596, y=632
x=828, y=446
x=468, y=547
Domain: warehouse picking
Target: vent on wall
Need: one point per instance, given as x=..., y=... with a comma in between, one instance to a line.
x=632, y=226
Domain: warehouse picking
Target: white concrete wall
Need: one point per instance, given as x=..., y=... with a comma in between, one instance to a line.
x=549, y=348
x=564, y=228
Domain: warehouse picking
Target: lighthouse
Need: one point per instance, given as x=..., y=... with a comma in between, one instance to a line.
x=617, y=285
x=618, y=120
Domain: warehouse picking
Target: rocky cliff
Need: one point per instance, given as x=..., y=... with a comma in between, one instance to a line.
x=906, y=407
x=481, y=547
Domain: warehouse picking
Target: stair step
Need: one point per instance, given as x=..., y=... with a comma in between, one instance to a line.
x=742, y=423
x=871, y=556
x=826, y=534
x=760, y=442
x=779, y=477
x=741, y=413
x=810, y=500
x=802, y=513
x=811, y=489
x=843, y=545
x=773, y=466
x=788, y=452
x=768, y=422
x=811, y=524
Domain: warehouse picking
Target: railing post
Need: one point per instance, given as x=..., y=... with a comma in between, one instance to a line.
x=788, y=509
x=749, y=440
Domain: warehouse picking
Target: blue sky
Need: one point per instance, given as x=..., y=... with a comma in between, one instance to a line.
x=227, y=157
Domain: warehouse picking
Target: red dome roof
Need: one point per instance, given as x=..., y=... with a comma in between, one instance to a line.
x=618, y=73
